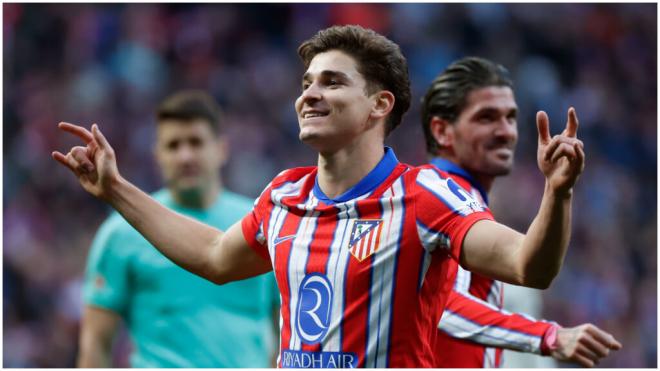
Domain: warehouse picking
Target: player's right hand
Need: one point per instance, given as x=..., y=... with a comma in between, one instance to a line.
x=94, y=164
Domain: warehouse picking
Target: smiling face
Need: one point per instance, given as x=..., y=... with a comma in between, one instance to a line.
x=485, y=133
x=189, y=155
x=334, y=107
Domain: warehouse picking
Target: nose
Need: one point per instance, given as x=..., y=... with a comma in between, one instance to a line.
x=507, y=129
x=311, y=94
x=185, y=153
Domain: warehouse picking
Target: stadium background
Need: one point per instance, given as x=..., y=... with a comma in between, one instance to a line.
x=112, y=63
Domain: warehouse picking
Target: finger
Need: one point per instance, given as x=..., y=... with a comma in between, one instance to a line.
x=76, y=130
x=100, y=138
x=74, y=165
x=555, y=142
x=579, y=152
x=543, y=127
x=588, y=354
x=59, y=157
x=599, y=348
x=563, y=150
x=583, y=361
x=82, y=158
x=604, y=337
x=572, y=123
x=551, y=147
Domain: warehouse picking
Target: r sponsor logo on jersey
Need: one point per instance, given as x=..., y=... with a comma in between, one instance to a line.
x=314, y=306
x=365, y=238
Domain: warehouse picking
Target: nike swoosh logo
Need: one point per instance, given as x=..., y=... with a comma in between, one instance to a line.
x=279, y=240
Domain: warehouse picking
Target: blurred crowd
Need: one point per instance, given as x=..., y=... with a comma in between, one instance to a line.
x=112, y=63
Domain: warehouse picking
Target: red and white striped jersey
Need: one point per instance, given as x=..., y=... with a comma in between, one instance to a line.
x=363, y=277
x=474, y=327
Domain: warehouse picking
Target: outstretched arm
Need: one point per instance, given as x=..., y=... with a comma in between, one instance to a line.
x=201, y=249
x=533, y=259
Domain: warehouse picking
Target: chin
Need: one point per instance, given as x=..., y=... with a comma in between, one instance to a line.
x=188, y=186
x=305, y=136
x=312, y=139
x=501, y=169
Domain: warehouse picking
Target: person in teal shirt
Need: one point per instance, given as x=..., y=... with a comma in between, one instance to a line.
x=175, y=318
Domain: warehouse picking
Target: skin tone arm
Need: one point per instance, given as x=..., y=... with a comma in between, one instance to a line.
x=533, y=259
x=208, y=252
x=97, y=332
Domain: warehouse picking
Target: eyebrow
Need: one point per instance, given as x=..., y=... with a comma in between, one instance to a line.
x=489, y=110
x=327, y=73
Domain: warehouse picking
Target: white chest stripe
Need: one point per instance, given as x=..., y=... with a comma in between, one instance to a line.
x=296, y=269
x=383, y=270
x=337, y=264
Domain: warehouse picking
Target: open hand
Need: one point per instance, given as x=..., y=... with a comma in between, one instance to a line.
x=94, y=164
x=560, y=158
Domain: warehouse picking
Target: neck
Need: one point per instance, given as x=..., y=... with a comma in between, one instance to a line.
x=197, y=198
x=484, y=180
x=339, y=171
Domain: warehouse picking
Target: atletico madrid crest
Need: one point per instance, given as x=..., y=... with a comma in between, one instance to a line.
x=365, y=237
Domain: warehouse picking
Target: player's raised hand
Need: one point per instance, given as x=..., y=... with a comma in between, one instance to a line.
x=94, y=164
x=560, y=158
x=585, y=345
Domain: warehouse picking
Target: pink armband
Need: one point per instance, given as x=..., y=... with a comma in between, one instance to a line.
x=549, y=342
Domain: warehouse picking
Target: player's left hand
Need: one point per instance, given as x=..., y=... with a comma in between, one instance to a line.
x=560, y=158
x=585, y=345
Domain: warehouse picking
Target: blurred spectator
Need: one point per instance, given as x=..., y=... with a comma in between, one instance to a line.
x=111, y=63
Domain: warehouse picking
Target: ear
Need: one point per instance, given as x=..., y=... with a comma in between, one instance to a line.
x=442, y=131
x=384, y=103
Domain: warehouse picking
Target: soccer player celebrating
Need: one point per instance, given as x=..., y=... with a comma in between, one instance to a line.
x=360, y=244
x=177, y=319
x=469, y=120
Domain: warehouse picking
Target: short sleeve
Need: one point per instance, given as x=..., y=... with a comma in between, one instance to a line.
x=106, y=282
x=253, y=225
x=444, y=212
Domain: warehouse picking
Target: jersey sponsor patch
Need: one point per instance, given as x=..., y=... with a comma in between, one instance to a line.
x=462, y=195
x=313, y=315
x=302, y=359
x=365, y=238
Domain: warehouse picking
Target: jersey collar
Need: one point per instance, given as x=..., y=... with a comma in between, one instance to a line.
x=450, y=167
x=367, y=184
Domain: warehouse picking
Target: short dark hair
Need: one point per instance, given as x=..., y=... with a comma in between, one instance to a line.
x=189, y=105
x=447, y=95
x=379, y=60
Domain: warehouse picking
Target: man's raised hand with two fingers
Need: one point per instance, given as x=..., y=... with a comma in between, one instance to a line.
x=560, y=158
x=95, y=164
x=538, y=254
x=206, y=251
